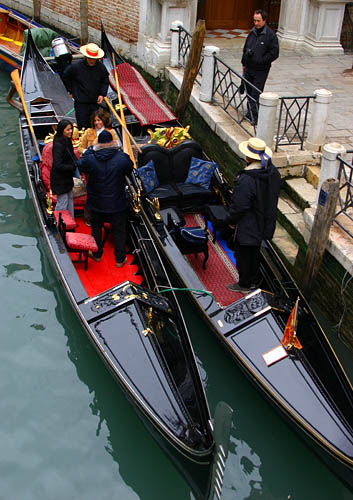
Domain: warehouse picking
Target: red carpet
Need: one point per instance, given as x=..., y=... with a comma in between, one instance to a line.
x=101, y=276
x=139, y=97
x=220, y=270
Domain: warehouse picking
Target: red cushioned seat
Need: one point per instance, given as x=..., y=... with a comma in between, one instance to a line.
x=77, y=242
x=67, y=218
x=81, y=241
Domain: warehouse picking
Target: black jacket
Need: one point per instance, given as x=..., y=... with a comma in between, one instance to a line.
x=107, y=167
x=260, y=50
x=254, y=204
x=85, y=82
x=63, y=168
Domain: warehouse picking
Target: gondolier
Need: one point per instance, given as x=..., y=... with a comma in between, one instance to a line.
x=253, y=210
x=87, y=81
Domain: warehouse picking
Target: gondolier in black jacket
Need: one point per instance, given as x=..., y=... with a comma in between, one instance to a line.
x=107, y=165
x=253, y=210
x=87, y=81
x=260, y=50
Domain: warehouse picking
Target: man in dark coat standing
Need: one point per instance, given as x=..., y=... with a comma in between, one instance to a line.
x=253, y=210
x=107, y=166
x=87, y=81
x=260, y=50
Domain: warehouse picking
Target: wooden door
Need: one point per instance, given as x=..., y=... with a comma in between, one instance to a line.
x=228, y=14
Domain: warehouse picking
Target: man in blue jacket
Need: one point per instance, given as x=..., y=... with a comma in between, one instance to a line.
x=260, y=50
x=107, y=165
x=253, y=211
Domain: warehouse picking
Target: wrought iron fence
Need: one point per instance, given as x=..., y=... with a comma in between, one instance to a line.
x=344, y=216
x=235, y=95
x=292, y=121
x=184, y=49
x=239, y=99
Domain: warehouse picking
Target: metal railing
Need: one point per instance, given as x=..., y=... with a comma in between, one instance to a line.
x=184, y=49
x=235, y=95
x=292, y=121
x=239, y=99
x=344, y=216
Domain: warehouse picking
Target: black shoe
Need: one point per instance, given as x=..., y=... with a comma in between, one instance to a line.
x=234, y=287
x=92, y=256
x=121, y=264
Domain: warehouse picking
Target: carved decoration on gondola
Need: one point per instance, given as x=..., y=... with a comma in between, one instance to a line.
x=245, y=309
x=237, y=313
x=136, y=204
x=125, y=293
x=76, y=136
x=156, y=206
x=256, y=302
x=169, y=137
x=49, y=200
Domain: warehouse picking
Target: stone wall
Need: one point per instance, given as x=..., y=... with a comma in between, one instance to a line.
x=120, y=18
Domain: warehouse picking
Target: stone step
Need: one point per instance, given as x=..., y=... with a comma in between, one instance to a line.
x=312, y=175
x=291, y=218
x=302, y=192
x=285, y=245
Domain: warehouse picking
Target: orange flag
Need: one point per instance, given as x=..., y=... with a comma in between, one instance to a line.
x=290, y=332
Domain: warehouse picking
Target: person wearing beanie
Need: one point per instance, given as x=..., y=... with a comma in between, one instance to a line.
x=253, y=211
x=107, y=165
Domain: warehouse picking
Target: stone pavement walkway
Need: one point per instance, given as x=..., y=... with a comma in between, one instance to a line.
x=299, y=74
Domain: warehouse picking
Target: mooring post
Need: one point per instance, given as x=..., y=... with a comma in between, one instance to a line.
x=191, y=69
x=36, y=10
x=329, y=164
x=317, y=128
x=207, y=73
x=320, y=233
x=174, y=49
x=84, y=21
x=266, y=124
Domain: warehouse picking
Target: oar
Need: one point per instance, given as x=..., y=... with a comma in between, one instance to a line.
x=126, y=143
x=16, y=80
x=121, y=123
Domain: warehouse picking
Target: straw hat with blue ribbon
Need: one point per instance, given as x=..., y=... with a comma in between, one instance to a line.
x=256, y=149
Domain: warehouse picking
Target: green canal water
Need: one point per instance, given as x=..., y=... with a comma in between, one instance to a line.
x=66, y=430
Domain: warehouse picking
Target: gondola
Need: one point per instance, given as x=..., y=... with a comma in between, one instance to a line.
x=12, y=28
x=138, y=331
x=308, y=386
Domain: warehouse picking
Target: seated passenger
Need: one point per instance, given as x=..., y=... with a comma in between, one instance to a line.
x=100, y=120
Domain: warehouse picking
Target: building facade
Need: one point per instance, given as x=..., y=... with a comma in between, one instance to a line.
x=141, y=28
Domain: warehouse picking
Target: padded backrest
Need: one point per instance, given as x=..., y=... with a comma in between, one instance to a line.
x=171, y=165
x=181, y=158
x=160, y=157
x=46, y=163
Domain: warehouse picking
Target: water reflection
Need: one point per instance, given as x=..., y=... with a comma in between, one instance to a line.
x=267, y=460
